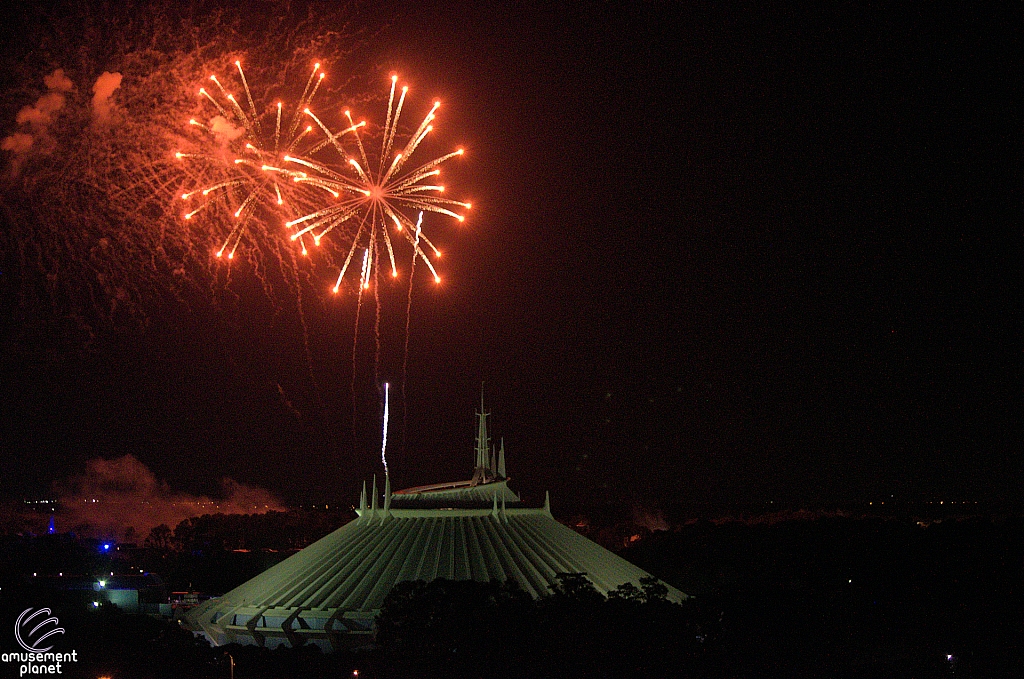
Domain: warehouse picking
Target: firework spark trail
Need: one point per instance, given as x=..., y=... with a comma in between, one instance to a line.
x=305, y=328
x=275, y=172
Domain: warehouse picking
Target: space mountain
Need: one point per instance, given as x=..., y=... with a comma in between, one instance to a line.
x=329, y=593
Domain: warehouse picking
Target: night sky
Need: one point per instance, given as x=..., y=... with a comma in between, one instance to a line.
x=719, y=255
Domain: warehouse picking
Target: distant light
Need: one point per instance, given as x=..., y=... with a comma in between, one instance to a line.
x=849, y=580
x=106, y=546
x=95, y=604
x=103, y=583
x=949, y=656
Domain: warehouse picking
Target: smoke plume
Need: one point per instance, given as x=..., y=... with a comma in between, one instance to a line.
x=223, y=131
x=122, y=498
x=38, y=117
x=103, y=90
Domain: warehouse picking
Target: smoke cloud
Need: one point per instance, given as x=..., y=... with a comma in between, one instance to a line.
x=18, y=143
x=103, y=90
x=122, y=498
x=651, y=520
x=224, y=131
x=58, y=82
x=41, y=113
x=38, y=117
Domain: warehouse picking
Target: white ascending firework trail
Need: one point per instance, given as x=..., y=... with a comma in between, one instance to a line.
x=384, y=437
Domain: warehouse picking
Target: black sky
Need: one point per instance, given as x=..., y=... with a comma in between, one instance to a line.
x=719, y=254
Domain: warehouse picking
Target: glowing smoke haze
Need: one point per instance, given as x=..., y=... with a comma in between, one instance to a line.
x=115, y=495
x=38, y=117
x=223, y=131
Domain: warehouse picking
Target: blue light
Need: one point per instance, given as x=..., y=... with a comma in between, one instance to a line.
x=106, y=546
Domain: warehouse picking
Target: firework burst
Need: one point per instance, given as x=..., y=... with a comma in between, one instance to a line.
x=371, y=196
x=268, y=167
x=246, y=151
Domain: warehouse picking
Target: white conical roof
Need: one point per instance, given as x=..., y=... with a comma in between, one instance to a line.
x=330, y=592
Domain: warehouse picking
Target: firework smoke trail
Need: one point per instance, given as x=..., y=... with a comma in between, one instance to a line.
x=376, y=323
x=355, y=365
x=384, y=436
x=305, y=328
x=408, y=317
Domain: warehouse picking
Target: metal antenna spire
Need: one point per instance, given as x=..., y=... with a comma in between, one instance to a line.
x=501, y=459
x=482, y=441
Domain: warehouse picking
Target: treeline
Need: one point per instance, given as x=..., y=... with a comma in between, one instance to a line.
x=215, y=553
x=279, y=531
x=466, y=629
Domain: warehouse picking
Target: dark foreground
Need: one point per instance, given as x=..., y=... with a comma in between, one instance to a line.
x=831, y=597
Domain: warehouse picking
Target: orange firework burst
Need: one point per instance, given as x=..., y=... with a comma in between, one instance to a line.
x=246, y=152
x=268, y=168
x=373, y=196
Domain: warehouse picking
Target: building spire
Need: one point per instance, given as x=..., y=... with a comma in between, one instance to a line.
x=501, y=459
x=482, y=440
x=362, y=498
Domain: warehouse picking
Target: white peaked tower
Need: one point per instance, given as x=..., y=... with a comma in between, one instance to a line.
x=329, y=593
